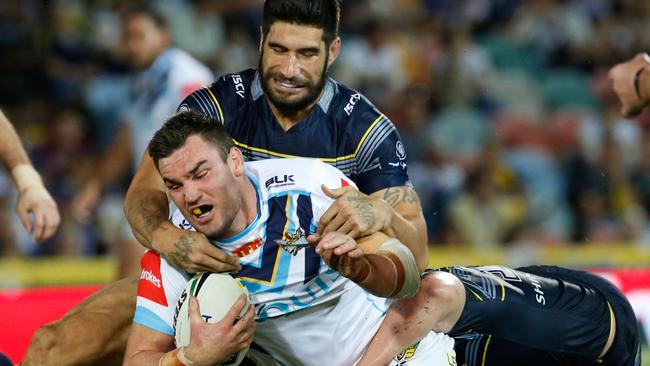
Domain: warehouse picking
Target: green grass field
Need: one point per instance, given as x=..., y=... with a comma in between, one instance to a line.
x=645, y=356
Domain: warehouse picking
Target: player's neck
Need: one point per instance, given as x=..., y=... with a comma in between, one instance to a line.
x=248, y=211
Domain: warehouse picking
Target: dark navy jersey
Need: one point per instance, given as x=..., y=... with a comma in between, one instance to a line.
x=344, y=129
x=549, y=309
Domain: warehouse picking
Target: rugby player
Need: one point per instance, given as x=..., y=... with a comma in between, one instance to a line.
x=164, y=77
x=288, y=107
x=304, y=308
x=537, y=315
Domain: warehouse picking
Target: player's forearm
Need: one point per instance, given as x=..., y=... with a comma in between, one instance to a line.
x=407, y=223
x=413, y=233
x=146, y=211
x=12, y=152
x=390, y=272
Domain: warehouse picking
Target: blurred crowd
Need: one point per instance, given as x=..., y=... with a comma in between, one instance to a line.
x=512, y=132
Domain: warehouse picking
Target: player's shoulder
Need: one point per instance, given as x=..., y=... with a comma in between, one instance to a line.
x=352, y=109
x=222, y=98
x=185, y=67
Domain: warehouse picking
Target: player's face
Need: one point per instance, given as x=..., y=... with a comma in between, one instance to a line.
x=293, y=65
x=144, y=40
x=203, y=186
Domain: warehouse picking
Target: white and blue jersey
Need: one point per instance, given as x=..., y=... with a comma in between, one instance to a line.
x=304, y=308
x=281, y=271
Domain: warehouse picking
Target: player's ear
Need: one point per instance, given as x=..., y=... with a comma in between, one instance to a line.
x=236, y=162
x=335, y=48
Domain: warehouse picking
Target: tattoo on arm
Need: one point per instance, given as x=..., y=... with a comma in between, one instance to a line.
x=182, y=248
x=364, y=207
x=395, y=196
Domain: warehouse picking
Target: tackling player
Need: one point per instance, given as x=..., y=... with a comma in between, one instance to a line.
x=537, y=315
x=262, y=213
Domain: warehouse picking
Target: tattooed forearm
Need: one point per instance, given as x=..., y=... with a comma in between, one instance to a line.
x=364, y=207
x=145, y=215
x=395, y=196
x=182, y=248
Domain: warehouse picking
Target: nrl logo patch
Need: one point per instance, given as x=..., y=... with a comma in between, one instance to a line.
x=293, y=243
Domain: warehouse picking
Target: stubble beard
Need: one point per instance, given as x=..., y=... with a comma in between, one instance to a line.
x=292, y=107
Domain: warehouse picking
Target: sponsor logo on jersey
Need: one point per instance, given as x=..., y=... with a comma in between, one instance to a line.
x=280, y=181
x=401, y=155
x=247, y=248
x=150, y=285
x=239, y=85
x=293, y=243
x=351, y=103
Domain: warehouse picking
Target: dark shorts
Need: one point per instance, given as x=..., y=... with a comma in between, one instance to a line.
x=626, y=349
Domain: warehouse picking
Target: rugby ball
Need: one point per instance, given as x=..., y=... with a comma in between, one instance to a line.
x=216, y=293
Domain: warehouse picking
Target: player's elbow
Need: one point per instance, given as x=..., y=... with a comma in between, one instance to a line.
x=445, y=293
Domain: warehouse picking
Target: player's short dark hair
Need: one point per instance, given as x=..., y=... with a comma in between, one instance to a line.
x=146, y=9
x=173, y=134
x=322, y=14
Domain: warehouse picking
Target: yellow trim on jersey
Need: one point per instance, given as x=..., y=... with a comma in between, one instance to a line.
x=611, y=329
x=485, y=350
x=216, y=102
x=327, y=160
x=475, y=294
x=503, y=290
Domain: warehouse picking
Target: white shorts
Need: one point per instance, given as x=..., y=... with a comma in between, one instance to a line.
x=336, y=333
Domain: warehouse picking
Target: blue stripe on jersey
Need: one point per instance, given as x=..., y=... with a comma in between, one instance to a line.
x=256, y=279
x=149, y=319
x=253, y=224
x=305, y=217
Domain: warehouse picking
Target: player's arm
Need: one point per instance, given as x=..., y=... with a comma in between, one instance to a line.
x=395, y=211
x=631, y=82
x=146, y=208
x=437, y=306
x=381, y=265
x=113, y=164
x=209, y=343
x=33, y=197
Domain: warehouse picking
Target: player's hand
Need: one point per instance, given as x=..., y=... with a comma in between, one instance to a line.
x=622, y=78
x=340, y=252
x=354, y=213
x=213, y=343
x=85, y=201
x=36, y=200
x=191, y=251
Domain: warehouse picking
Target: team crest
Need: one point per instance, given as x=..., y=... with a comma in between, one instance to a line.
x=293, y=243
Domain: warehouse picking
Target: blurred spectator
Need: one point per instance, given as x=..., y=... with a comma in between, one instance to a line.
x=164, y=77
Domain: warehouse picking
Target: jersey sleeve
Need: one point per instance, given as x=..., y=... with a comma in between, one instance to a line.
x=381, y=158
x=203, y=100
x=159, y=289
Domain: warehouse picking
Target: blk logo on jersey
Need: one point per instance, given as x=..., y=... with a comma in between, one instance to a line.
x=150, y=285
x=280, y=181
